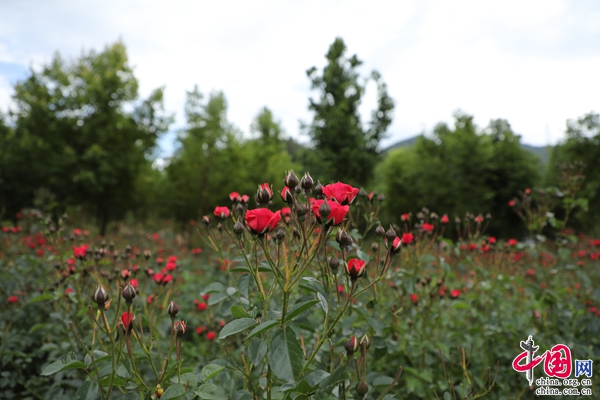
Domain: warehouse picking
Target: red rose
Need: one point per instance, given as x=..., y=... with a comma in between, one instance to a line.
x=355, y=268
x=206, y=296
x=210, y=336
x=337, y=214
x=196, y=251
x=455, y=293
x=262, y=220
x=127, y=320
x=405, y=217
x=286, y=195
x=407, y=238
x=427, y=227
x=340, y=192
x=511, y=203
x=397, y=245
x=444, y=219
x=512, y=242
x=492, y=240
x=414, y=298
x=13, y=299
x=201, y=306
x=234, y=196
x=221, y=212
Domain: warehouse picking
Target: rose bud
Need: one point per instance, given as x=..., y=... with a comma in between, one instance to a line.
x=147, y=254
x=172, y=309
x=286, y=195
x=381, y=198
x=379, y=232
x=264, y=194
x=307, y=182
x=362, y=388
x=390, y=235
x=238, y=228
x=180, y=328
x=319, y=190
x=280, y=236
x=301, y=209
x=127, y=319
x=100, y=297
x=374, y=247
x=290, y=180
x=396, y=245
x=343, y=238
x=355, y=268
x=365, y=341
x=206, y=220
x=324, y=211
x=333, y=264
x=129, y=294
x=351, y=346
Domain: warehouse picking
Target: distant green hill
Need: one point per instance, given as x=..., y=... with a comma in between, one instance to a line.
x=543, y=152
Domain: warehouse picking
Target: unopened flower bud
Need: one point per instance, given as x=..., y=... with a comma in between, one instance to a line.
x=307, y=182
x=343, y=238
x=264, y=194
x=396, y=245
x=381, y=198
x=390, y=235
x=180, y=328
x=280, y=236
x=238, y=228
x=172, y=309
x=290, y=180
x=457, y=220
x=333, y=264
x=286, y=195
x=379, y=232
x=362, y=388
x=365, y=341
x=319, y=190
x=147, y=254
x=129, y=294
x=100, y=296
x=324, y=211
x=301, y=209
x=351, y=346
x=206, y=220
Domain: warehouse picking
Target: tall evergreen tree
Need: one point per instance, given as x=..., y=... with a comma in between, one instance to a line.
x=344, y=149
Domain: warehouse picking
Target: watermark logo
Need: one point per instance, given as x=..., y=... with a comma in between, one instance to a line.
x=557, y=364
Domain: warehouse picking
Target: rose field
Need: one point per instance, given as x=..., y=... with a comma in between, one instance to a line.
x=319, y=299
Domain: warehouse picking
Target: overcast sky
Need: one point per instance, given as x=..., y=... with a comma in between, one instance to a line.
x=534, y=63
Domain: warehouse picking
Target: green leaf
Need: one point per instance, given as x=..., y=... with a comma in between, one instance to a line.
x=69, y=362
x=217, y=298
x=257, y=350
x=98, y=356
x=262, y=327
x=236, y=326
x=244, y=285
x=214, y=288
x=41, y=297
x=239, y=312
x=363, y=256
x=383, y=381
x=323, y=302
x=210, y=392
x=328, y=383
x=189, y=379
x=285, y=355
x=210, y=371
x=174, y=391
x=299, y=308
x=87, y=391
x=131, y=396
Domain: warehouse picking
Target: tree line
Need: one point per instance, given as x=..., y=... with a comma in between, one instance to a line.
x=79, y=137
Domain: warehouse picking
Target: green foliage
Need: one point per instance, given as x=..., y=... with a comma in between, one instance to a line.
x=460, y=170
x=343, y=148
x=582, y=145
x=73, y=131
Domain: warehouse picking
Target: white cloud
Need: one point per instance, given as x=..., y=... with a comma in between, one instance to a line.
x=532, y=63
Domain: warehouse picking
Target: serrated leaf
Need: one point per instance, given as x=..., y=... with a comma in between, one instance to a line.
x=262, y=327
x=257, y=350
x=239, y=312
x=210, y=371
x=189, y=379
x=174, y=391
x=70, y=362
x=299, y=308
x=285, y=355
x=236, y=326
